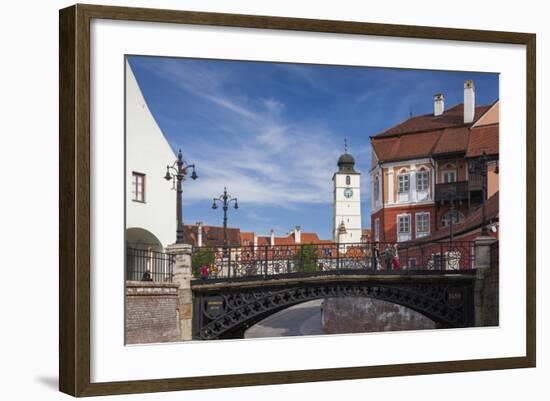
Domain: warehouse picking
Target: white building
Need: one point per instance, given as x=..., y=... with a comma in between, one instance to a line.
x=346, y=202
x=150, y=200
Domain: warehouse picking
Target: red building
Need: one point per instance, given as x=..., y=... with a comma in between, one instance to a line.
x=422, y=169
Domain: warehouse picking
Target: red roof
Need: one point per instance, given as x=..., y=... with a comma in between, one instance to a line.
x=428, y=135
x=452, y=117
x=483, y=139
x=452, y=140
x=306, y=238
x=211, y=235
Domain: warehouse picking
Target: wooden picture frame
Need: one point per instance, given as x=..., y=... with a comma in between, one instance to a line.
x=75, y=209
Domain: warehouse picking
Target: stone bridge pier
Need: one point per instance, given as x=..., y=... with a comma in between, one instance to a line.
x=486, y=290
x=182, y=278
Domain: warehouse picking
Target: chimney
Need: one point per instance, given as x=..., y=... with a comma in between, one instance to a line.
x=469, y=101
x=199, y=233
x=255, y=241
x=297, y=235
x=272, y=239
x=439, y=105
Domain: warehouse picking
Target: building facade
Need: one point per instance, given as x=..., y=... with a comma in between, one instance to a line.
x=150, y=200
x=422, y=176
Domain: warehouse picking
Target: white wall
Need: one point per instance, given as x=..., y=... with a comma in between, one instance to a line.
x=347, y=209
x=29, y=136
x=148, y=152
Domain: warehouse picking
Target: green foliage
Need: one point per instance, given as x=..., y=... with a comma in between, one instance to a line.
x=201, y=257
x=307, y=258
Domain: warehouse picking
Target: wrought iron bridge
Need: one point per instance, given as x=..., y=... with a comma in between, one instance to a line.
x=236, y=287
x=237, y=263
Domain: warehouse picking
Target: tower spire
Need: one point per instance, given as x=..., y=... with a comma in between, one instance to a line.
x=345, y=145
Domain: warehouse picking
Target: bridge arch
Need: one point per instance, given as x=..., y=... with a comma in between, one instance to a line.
x=228, y=313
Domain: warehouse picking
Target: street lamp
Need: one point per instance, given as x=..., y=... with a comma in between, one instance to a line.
x=450, y=196
x=225, y=199
x=179, y=171
x=479, y=166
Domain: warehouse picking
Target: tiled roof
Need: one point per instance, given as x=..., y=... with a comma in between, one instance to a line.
x=452, y=140
x=211, y=235
x=484, y=138
x=428, y=135
x=306, y=238
x=406, y=147
x=452, y=117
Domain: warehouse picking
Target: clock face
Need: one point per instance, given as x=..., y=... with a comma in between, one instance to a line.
x=348, y=192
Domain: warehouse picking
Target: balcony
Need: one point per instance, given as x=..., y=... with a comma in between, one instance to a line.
x=457, y=190
x=475, y=182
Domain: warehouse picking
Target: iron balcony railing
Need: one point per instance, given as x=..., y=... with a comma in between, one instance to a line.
x=241, y=262
x=475, y=182
x=148, y=265
x=456, y=190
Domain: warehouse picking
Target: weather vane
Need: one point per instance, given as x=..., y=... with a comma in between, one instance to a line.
x=345, y=145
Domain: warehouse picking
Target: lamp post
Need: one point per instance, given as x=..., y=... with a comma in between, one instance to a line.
x=225, y=199
x=179, y=171
x=450, y=196
x=479, y=167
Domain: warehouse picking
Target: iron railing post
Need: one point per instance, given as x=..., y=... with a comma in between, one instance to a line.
x=229, y=262
x=441, y=257
x=266, y=261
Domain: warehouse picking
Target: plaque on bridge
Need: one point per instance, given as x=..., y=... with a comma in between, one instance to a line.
x=214, y=306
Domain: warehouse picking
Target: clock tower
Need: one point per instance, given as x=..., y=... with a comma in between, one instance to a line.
x=346, y=227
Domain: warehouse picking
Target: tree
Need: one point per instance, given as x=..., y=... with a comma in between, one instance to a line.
x=306, y=259
x=200, y=258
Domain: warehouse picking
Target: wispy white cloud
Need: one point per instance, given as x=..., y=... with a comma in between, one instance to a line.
x=271, y=159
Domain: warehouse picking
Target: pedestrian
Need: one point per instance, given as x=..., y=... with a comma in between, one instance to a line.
x=375, y=256
x=388, y=257
x=146, y=276
x=204, y=271
x=396, y=264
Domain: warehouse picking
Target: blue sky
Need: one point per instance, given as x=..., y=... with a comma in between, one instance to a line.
x=272, y=132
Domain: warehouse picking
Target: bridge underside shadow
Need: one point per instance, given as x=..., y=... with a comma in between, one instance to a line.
x=226, y=311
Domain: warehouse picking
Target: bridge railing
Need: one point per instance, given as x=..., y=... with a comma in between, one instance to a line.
x=148, y=265
x=263, y=261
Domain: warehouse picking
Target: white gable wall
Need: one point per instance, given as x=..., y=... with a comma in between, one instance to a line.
x=148, y=152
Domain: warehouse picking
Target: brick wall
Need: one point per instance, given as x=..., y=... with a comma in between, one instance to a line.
x=151, y=312
x=388, y=220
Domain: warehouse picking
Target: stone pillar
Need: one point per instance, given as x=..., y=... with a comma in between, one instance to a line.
x=482, y=251
x=486, y=286
x=182, y=277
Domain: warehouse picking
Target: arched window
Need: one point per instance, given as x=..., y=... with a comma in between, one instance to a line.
x=422, y=179
x=449, y=173
x=403, y=185
x=446, y=219
x=348, y=180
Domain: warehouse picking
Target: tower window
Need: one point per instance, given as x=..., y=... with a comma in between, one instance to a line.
x=348, y=180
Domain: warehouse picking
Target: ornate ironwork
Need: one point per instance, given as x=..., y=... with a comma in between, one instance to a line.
x=251, y=262
x=447, y=301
